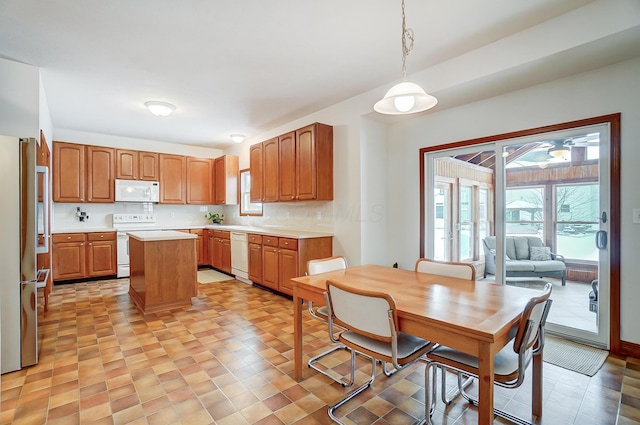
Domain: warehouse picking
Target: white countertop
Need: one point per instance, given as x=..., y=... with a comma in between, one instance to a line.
x=282, y=232
x=160, y=235
x=270, y=231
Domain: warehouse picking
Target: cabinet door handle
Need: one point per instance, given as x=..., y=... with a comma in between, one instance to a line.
x=90, y=244
x=102, y=236
x=68, y=237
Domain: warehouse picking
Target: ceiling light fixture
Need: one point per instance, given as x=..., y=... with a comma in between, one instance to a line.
x=405, y=97
x=558, y=151
x=237, y=138
x=161, y=109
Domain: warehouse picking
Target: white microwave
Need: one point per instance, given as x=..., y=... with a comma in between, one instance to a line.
x=137, y=191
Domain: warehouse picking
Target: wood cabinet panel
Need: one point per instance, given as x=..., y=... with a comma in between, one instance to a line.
x=101, y=258
x=255, y=167
x=127, y=164
x=270, y=169
x=199, y=181
x=82, y=255
x=100, y=174
x=314, y=162
x=226, y=180
x=288, y=264
x=270, y=273
x=225, y=265
x=220, y=250
x=173, y=179
x=255, y=262
x=201, y=246
x=287, y=167
x=69, y=261
x=148, y=166
x=68, y=172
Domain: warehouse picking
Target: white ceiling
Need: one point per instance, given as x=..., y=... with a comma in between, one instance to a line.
x=247, y=66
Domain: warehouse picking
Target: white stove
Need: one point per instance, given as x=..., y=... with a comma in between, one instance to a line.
x=124, y=223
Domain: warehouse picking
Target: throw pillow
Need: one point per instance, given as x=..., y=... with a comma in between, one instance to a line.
x=540, y=253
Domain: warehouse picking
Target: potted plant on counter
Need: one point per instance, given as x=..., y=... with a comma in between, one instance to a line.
x=215, y=218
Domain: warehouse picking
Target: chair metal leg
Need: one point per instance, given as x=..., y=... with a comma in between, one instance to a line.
x=447, y=398
x=315, y=359
x=355, y=392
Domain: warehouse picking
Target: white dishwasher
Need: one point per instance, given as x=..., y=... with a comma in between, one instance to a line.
x=239, y=255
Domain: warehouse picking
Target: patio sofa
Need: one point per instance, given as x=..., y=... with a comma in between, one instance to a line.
x=526, y=257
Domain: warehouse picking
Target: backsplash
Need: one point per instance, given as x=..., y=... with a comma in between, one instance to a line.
x=311, y=216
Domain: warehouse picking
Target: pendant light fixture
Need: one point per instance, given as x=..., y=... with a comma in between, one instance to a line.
x=405, y=97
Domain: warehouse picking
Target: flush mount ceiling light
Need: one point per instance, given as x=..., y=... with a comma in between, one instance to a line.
x=161, y=109
x=405, y=97
x=237, y=138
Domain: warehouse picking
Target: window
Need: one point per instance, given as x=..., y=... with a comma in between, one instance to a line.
x=246, y=206
x=577, y=210
x=525, y=211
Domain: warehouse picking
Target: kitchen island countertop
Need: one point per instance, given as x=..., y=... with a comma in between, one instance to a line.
x=160, y=235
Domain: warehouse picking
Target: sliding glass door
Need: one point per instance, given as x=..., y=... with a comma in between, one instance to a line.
x=552, y=187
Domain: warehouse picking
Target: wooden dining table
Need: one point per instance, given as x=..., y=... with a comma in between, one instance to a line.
x=473, y=317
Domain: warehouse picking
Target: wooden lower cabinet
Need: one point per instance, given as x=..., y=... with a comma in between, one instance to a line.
x=283, y=259
x=83, y=255
x=219, y=244
x=255, y=258
x=201, y=245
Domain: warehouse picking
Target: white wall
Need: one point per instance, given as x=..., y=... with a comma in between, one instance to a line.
x=19, y=96
x=86, y=138
x=604, y=91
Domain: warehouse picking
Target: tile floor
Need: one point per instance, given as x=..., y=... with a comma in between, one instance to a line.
x=227, y=361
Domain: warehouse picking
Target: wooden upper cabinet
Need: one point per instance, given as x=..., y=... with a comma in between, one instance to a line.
x=314, y=162
x=136, y=165
x=100, y=174
x=199, y=181
x=226, y=180
x=68, y=172
x=148, y=166
x=255, y=169
x=126, y=164
x=173, y=179
x=287, y=167
x=270, y=176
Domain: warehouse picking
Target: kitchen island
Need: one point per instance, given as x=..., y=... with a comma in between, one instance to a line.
x=163, y=269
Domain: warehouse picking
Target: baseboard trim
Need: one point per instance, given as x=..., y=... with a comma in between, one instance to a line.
x=630, y=349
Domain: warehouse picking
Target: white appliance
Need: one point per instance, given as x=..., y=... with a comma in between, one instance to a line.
x=18, y=261
x=239, y=255
x=124, y=223
x=137, y=191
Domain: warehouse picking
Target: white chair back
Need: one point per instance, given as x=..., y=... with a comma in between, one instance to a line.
x=324, y=265
x=361, y=312
x=444, y=268
x=533, y=320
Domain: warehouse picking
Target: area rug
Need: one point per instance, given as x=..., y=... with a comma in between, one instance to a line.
x=573, y=356
x=211, y=276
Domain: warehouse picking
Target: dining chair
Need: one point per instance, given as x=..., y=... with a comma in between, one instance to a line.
x=460, y=271
x=510, y=363
x=317, y=266
x=370, y=327
x=446, y=268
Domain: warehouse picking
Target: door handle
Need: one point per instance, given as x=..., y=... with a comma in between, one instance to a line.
x=601, y=240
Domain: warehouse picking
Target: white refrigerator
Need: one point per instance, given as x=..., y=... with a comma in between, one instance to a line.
x=22, y=219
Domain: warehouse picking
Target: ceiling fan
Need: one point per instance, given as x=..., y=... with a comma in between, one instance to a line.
x=562, y=147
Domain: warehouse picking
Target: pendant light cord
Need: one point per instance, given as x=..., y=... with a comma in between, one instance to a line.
x=407, y=36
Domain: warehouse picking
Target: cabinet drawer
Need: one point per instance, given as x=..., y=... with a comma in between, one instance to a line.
x=101, y=236
x=222, y=234
x=198, y=232
x=255, y=238
x=68, y=237
x=270, y=241
x=288, y=243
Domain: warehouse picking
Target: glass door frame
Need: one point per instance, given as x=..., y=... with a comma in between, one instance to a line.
x=612, y=327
